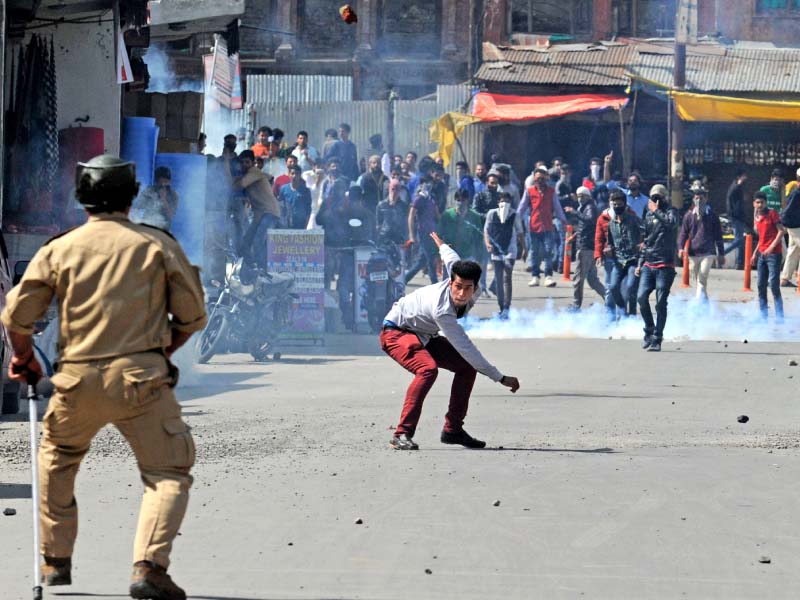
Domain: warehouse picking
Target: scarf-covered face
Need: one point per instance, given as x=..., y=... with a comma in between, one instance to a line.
x=775, y=183
x=505, y=210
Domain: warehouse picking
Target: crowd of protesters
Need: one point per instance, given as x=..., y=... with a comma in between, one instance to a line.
x=490, y=215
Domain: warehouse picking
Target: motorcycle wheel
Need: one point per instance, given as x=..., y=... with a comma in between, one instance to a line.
x=213, y=337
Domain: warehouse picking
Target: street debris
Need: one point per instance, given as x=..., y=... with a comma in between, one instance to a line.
x=743, y=418
x=10, y=512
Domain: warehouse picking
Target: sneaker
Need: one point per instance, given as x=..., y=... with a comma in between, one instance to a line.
x=534, y=282
x=150, y=580
x=655, y=346
x=646, y=342
x=57, y=571
x=549, y=282
x=787, y=283
x=503, y=315
x=462, y=438
x=403, y=442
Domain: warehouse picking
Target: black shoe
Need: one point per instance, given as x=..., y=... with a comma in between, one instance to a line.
x=647, y=342
x=462, y=438
x=57, y=571
x=403, y=442
x=655, y=346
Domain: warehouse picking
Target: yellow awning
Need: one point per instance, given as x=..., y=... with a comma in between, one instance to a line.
x=445, y=130
x=704, y=107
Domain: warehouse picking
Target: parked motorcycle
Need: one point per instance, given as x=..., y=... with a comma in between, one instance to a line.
x=252, y=309
x=383, y=284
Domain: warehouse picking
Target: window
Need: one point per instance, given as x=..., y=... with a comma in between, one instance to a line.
x=551, y=16
x=322, y=31
x=410, y=27
x=645, y=17
x=770, y=7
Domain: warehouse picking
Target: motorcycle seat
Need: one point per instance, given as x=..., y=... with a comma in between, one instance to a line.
x=278, y=280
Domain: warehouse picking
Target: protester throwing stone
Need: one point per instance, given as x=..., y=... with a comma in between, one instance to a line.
x=127, y=299
x=411, y=336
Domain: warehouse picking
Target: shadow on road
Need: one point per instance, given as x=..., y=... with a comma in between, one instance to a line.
x=519, y=449
x=561, y=395
x=9, y=491
x=189, y=596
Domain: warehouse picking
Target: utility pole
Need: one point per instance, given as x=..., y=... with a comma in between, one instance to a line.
x=685, y=32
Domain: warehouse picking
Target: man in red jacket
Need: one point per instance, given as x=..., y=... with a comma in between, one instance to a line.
x=538, y=207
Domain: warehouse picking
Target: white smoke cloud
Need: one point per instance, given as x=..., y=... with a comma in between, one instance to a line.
x=687, y=319
x=162, y=78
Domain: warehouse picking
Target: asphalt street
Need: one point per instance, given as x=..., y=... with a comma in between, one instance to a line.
x=612, y=473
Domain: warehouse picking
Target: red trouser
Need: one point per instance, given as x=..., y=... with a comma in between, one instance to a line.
x=424, y=362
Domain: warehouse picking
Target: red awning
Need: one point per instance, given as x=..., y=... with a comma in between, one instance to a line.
x=501, y=107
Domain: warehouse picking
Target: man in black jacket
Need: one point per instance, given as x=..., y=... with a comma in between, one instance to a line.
x=790, y=218
x=735, y=205
x=657, y=264
x=585, y=268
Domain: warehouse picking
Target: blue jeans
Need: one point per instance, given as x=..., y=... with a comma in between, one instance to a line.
x=541, y=248
x=737, y=243
x=621, y=287
x=659, y=280
x=428, y=253
x=769, y=270
x=560, y=242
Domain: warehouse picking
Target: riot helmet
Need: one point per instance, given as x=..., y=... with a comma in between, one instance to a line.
x=106, y=183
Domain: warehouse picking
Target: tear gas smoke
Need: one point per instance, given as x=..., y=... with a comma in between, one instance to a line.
x=688, y=319
x=162, y=77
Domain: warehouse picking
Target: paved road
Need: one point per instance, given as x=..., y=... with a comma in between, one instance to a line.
x=619, y=474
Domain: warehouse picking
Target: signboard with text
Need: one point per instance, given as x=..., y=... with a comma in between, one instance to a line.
x=301, y=253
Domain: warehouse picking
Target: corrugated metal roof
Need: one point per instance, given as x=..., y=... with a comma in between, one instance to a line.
x=739, y=70
x=599, y=66
x=718, y=69
x=299, y=88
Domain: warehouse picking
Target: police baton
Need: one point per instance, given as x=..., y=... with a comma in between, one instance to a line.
x=36, y=389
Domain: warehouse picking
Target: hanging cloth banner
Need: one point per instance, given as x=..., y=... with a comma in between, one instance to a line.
x=124, y=73
x=726, y=109
x=502, y=107
x=446, y=129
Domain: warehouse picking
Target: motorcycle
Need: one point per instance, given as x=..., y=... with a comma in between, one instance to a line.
x=252, y=309
x=383, y=283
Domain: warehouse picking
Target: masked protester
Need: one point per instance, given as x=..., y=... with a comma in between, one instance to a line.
x=775, y=191
x=701, y=227
x=113, y=366
x=538, y=207
x=734, y=202
x=391, y=217
x=461, y=228
x=585, y=268
x=768, y=255
x=502, y=235
x=656, y=267
x=616, y=247
x=422, y=334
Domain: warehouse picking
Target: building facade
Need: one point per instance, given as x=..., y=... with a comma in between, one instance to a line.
x=774, y=21
x=408, y=46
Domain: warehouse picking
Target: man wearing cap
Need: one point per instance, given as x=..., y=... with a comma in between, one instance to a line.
x=701, y=227
x=127, y=300
x=656, y=268
x=585, y=268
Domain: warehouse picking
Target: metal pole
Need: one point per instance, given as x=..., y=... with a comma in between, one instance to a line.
x=682, y=34
x=33, y=417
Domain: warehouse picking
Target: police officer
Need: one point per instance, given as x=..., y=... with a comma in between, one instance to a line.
x=127, y=300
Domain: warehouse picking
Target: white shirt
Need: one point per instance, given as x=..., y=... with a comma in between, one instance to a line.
x=304, y=163
x=430, y=309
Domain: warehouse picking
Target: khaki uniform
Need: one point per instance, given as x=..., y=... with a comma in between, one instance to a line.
x=117, y=284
